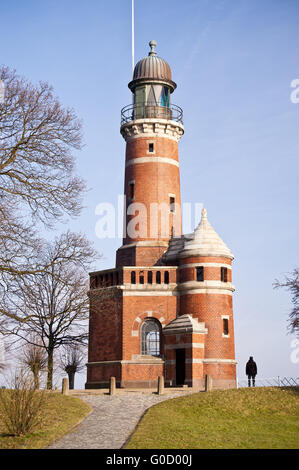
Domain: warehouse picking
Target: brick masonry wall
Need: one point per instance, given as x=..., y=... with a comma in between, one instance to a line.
x=154, y=183
x=135, y=310
x=209, y=308
x=105, y=325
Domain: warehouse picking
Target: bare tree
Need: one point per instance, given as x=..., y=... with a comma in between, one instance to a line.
x=291, y=283
x=34, y=358
x=72, y=361
x=37, y=182
x=54, y=303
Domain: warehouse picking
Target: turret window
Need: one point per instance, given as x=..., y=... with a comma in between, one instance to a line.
x=224, y=274
x=200, y=273
x=225, y=328
x=172, y=204
x=132, y=190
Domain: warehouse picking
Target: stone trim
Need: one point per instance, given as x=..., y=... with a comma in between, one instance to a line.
x=185, y=345
x=208, y=284
x=139, y=361
x=157, y=243
x=195, y=252
x=208, y=265
x=152, y=127
x=149, y=293
x=135, y=161
x=203, y=361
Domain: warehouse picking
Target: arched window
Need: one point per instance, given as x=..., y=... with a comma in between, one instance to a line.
x=150, y=338
x=133, y=277
x=158, y=277
x=166, y=277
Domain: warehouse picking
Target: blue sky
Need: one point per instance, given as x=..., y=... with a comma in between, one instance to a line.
x=233, y=62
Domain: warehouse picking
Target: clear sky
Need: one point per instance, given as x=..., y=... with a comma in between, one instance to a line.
x=233, y=62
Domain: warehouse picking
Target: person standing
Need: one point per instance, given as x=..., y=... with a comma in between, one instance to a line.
x=251, y=371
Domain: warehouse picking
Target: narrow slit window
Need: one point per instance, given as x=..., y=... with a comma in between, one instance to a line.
x=225, y=326
x=224, y=274
x=158, y=277
x=150, y=277
x=141, y=277
x=151, y=147
x=131, y=190
x=166, y=277
x=200, y=273
x=172, y=204
x=133, y=277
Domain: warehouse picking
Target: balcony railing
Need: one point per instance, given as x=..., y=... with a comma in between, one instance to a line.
x=136, y=111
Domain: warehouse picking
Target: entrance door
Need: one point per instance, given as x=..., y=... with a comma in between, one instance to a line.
x=180, y=366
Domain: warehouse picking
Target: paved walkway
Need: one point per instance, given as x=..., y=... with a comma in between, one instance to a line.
x=112, y=420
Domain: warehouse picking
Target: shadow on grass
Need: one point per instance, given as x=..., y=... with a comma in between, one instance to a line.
x=294, y=390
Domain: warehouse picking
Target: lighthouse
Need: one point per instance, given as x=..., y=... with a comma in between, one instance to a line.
x=166, y=307
x=152, y=127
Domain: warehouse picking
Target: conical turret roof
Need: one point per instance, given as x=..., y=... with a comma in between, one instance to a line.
x=205, y=241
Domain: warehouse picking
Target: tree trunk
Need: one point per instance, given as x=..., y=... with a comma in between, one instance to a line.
x=36, y=379
x=50, y=369
x=71, y=380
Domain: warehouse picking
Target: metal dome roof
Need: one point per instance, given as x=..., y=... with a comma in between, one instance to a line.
x=152, y=68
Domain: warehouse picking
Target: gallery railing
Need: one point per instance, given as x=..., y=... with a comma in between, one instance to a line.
x=136, y=111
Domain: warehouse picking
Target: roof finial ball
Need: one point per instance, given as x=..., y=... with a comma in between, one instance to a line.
x=204, y=213
x=152, y=45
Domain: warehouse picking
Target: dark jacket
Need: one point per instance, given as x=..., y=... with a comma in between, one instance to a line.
x=251, y=368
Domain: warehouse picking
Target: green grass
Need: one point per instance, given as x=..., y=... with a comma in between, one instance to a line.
x=61, y=413
x=254, y=418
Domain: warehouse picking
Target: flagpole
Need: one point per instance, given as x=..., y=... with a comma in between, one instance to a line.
x=133, y=38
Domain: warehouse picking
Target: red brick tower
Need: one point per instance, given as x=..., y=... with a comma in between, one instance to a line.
x=151, y=127
x=166, y=309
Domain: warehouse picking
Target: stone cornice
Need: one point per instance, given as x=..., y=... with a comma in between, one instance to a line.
x=149, y=127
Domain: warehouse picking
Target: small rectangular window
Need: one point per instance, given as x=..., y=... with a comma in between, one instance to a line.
x=172, y=204
x=200, y=273
x=158, y=277
x=166, y=277
x=225, y=326
x=131, y=190
x=150, y=277
x=224, y=274
x=133, y=277
x=151, y=147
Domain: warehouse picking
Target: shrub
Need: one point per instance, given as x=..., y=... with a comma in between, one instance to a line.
x=22, y=407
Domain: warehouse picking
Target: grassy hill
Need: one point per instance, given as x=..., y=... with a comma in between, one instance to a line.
x=249, y=418
x=60, y=414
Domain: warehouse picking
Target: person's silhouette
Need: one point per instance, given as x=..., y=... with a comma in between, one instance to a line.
x=251, y=371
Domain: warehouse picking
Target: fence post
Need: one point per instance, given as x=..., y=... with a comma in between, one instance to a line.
x=112, y=386
x=208, y=383
x=65, y=386
x=237, y=382
x=160, y=385
x=278, y=381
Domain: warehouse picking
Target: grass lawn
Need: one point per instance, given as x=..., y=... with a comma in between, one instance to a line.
x=249, y=418
x=60, y=415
